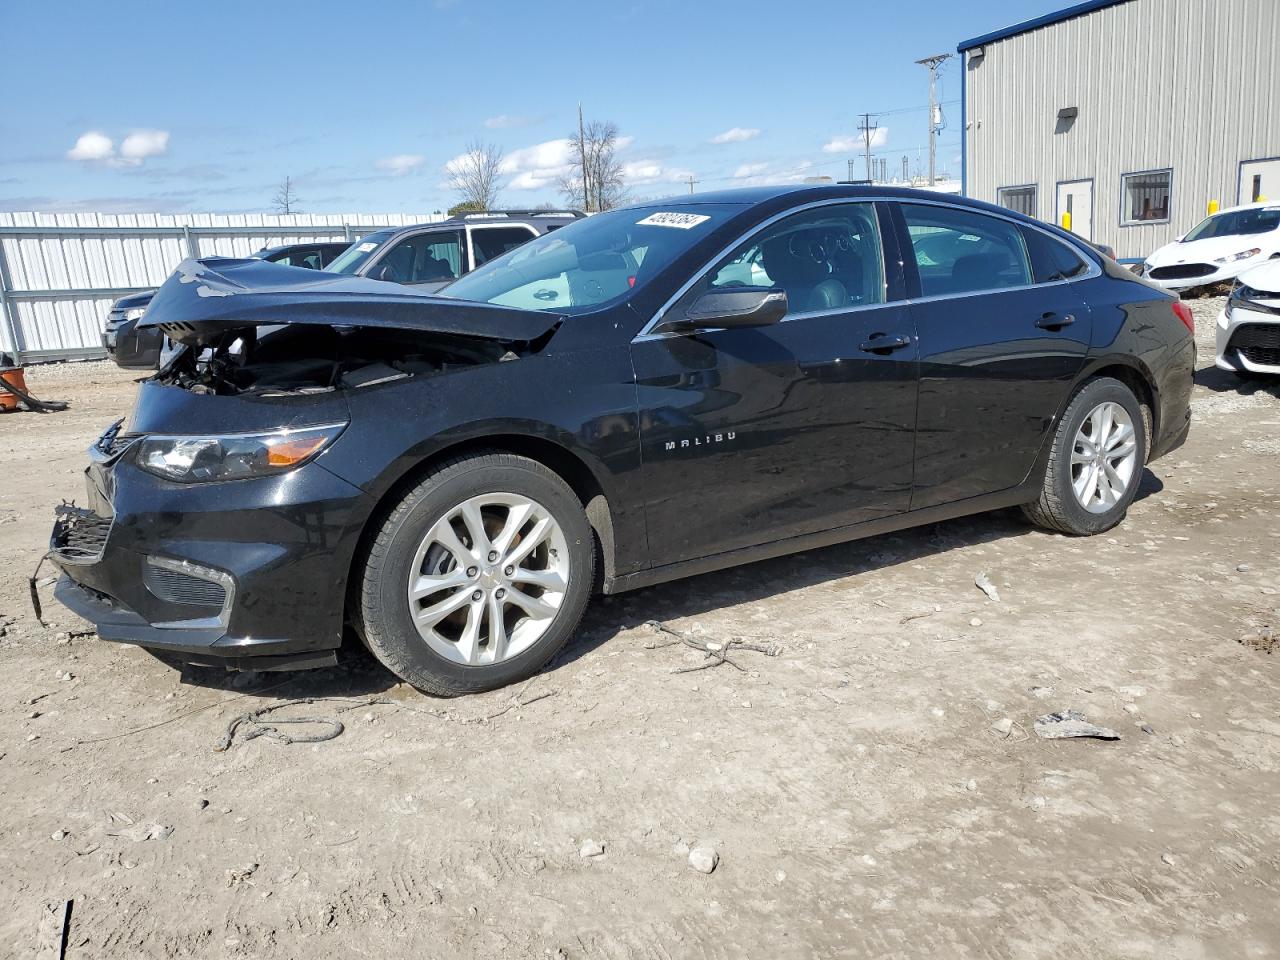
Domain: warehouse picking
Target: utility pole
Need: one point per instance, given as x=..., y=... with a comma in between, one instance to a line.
x=868, y=132
x=935, y=114
x=582, y=154
x=691, y=182
x=906, y=161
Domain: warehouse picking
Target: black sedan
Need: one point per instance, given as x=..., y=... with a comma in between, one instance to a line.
x=132, y=348
x=642, y=395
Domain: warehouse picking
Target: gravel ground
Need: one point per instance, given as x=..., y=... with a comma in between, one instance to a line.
x=874, y=790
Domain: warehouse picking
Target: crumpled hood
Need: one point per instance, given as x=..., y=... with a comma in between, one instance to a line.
x=206, y=298
x=1204, y=251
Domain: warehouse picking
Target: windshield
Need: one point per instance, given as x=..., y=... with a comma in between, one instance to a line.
x=593, y=261
x=358, y=254
x=1237, y=223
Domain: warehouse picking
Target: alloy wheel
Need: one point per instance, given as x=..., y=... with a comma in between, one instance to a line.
x=1104, y=457
x=488, y=578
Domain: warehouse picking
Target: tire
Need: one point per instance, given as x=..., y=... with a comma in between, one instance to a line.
x=427, y=537
x=1059, y=506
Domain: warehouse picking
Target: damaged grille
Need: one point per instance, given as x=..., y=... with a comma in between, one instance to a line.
x=1181, y=271
x=1258, y=343
x=175, y=586
x=79, y=535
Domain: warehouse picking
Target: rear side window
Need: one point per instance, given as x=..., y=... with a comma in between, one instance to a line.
x=960, y=251
x=1051, y=259
x=490, y=242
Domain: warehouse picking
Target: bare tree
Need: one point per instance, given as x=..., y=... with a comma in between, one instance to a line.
x=286, y=201
x=474, y=175
x=595, y=173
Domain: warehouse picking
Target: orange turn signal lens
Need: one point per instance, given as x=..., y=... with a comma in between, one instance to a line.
x=291, y=451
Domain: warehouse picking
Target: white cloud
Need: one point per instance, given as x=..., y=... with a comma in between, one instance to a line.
x=736, y=135
x=641, y=173
x=852, y=144
x=504, y=121
x=134, y=150
x=92, y=146
x=401, y=163
x=539, y=166
x=762, y=174
x=141, y=144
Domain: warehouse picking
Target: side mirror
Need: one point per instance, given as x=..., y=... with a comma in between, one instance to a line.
x=731, y=308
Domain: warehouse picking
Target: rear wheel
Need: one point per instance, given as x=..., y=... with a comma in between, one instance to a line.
x=1096, y=463
x=478, y=576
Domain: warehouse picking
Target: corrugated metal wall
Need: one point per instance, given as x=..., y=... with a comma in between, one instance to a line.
x=1189, y=84
x=60, y=273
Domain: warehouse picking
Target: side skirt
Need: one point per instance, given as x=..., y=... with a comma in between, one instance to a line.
x=1012, y=497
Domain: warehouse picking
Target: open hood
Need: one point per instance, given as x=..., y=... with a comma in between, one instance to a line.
x=207, y=298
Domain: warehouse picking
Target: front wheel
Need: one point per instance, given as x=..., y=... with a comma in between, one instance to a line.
x=478, y=576
x=1096, y=461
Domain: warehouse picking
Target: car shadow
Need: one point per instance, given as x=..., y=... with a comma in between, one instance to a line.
x=358, y=674
x=1224, y=381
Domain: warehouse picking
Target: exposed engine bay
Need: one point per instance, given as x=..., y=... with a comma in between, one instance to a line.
x=303, y=359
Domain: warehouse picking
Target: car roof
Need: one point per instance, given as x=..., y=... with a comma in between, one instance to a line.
x=489, y=217
x=308, y=244
x=809, y=192
x=1262, y=205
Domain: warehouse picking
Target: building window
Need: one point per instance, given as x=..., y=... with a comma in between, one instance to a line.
x=1021, y=199
x=1145, y=196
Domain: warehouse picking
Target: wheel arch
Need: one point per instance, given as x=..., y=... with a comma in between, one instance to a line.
x=1129, y=371
x=568, y=466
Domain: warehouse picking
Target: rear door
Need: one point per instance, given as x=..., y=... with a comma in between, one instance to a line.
x=755, y=435
x=1003, y=334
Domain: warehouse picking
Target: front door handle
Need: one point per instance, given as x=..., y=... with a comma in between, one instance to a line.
x=884, y=344
x=1055, y=321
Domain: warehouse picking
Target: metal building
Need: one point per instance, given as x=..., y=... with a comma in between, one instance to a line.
x=1133, y=116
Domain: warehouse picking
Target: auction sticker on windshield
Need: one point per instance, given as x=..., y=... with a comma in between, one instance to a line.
x=681, y=221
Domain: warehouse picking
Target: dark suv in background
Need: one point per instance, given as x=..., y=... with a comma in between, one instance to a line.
x=133, y=348
x=431, y=255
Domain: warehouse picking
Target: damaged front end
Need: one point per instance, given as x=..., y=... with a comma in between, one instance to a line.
x=259, y=328
x=213, y=528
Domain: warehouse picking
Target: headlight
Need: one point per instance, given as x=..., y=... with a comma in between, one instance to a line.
x=1242, y=255
x=236, y=457
x=135, y=313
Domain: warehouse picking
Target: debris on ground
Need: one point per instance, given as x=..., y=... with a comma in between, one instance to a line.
x=144, y=832
x=240, y=875
x=1068, y=724
x=704, y=859
x=716, y=652
x=1264, y=640
x=591, y=849
x=983, y=583
x=51, y=939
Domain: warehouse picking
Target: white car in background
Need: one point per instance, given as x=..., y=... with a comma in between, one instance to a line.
x=1220, y=248
x=1249, y=327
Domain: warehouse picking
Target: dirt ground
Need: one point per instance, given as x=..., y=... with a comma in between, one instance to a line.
x=861, y=793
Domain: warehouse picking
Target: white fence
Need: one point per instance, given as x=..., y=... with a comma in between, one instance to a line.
x=60, y=273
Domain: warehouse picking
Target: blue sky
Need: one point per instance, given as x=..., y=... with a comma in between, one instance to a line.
x=126, y=106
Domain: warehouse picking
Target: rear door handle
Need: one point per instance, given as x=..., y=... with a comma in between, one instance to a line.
x=883, y=344
x=1055, y=321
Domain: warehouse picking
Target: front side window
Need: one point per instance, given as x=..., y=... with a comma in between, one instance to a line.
x=1022, y=199
x=827, y=258
x=592, y=261
x=961, y=251
x=426, y=258
x=1145, y=196
x=490, y=242
x=1236, y=223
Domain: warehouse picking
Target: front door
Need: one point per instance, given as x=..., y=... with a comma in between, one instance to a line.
x=760, y=434
x=1003, y=334
x=1259, y=181
x=1075, y=199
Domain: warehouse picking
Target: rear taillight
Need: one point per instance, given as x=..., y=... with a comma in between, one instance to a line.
x=1183, y=313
